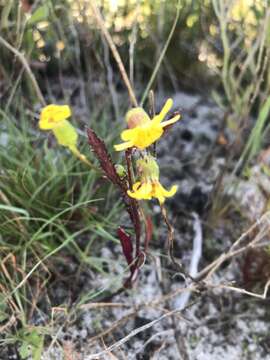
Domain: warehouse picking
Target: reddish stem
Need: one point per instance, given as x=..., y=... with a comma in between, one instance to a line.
x=134, y=205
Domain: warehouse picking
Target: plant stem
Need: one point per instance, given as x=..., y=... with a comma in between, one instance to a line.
x=134, y=205
x=25, y=64
x=170, y=239
x=154, y=74
x=83, y=159
x=100, y=21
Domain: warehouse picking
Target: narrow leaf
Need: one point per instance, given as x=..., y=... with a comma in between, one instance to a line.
x=126, y=243
x=14, y=209
x=148, y=232
x=41, y=14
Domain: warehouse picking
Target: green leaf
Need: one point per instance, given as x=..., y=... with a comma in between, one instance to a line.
x=3, y=308
x=41, y=14
x=32, y=344
x=5, y=14
x=24, y=350
x=257, y=134
x=14, y=209
x=37, y=351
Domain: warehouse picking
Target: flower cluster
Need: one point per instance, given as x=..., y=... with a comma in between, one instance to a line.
x=142, y=132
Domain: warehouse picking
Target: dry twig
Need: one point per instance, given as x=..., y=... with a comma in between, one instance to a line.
x=114, y=51
x=25, y=64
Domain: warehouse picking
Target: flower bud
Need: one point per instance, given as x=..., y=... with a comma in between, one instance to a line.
x=136, y=117
x=120, y=170
x=148, y=168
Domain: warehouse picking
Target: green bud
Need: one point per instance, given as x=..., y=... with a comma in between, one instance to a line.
x=136, y=117
x=148, y=168
x=120, y=170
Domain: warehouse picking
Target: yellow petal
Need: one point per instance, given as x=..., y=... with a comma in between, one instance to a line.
x=146, y=190
x=171, y=192
x=135, y=195
x=123, y=146
x=53, y=114
x=128, y=134
x=160, y=193
x=157, y=193
x=132, y=194
x=141, y=193
x=166, y=108
x=65, y=134
x=171, y=121
x=147, y=135
x=160, y=198
x=136, y=186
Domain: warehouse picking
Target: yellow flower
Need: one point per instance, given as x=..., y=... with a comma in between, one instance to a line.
x=149, y=186
x=143, y=131
x=151, y=189
x=53, y=117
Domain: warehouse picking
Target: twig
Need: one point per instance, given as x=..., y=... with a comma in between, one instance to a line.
x=167, y=333
x=170, y=239
x=132, y=46
x=114, y=51
x=12, y=320
x=243, y=291
x=133, y=204
x=27, y=68
x=102, y=305
x=115, y=325
x=110, y=355
x=150, y=304
x=154, y=74
x=110, y=79
x=132, y=334
x=211, y=268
